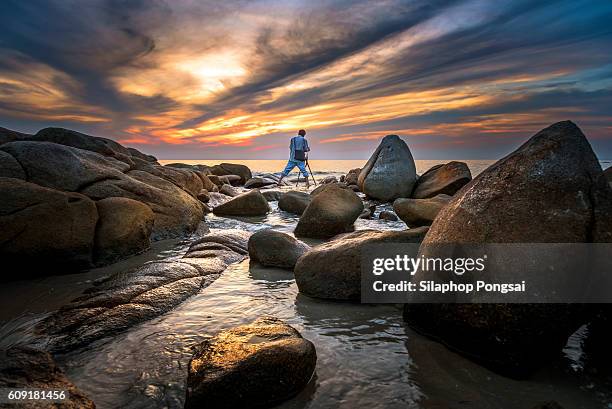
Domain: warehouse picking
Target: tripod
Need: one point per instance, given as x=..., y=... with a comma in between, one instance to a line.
x=311, y=175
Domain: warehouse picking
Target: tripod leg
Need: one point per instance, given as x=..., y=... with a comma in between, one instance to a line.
x=298, y=180
x=311, y=175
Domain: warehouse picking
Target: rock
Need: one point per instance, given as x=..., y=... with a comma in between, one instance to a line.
x=272, y=195
x=142, y=156
x=228, y=190
x=203, y=196
x=258, y=182
x=275, y=249
x=45, y=228
x=294, y=202
x=329, y=179
x=390, y=172
x=387, y=215
x=354, y=188
x=63, y=167
x=217, y=199
x=24, y=367
x=176, y=212
x=420, y=212
x=333, y=269
x=550, y=190
x=250, y=366
x=252, y=203
x=366, y=214
x=236, y=169
x=10, y=168
x=608, y=174
x=6, y=135
x=232, y=169
x=442, y=179
x=352, y=177
x=127, y=298
x=67, y=137
x=332, y=211
x=207, y=183
x=187, y=180
x=124, y=227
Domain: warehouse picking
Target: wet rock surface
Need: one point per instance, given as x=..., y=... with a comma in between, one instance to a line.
x=333, y=210
x=550, y=190
x=28, y=368
x=390, y=172
x=275, y=249
x=333, y=269
x=250, y=366
x=444, y=179
x=252, y=203
x=124, y=299
x=420, y=212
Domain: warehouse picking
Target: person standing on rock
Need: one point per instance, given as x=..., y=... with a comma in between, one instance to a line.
x=297, y=156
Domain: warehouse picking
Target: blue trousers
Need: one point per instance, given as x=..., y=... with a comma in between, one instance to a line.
x=292, y=164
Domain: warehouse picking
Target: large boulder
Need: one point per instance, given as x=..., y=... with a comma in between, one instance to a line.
x=10, y=168
x=176, y=212
x=258, y=182
x=229, y=190
x=332, y=211
x=252, y=203
x=333, y=269
x=272, y=195
x=28, y=368
x=390, y=172
x=45, y=228
x=67, y=137
x=294, y=202
x=444, y=179
x=124, y=227
x=275, y=249
x=352, y=176
x=550, y=190
x=6, y=135
x=420, y=212
x=250, y=366
x=232, y=169
x=63, y=167
x=126, y=298
x=608, y=174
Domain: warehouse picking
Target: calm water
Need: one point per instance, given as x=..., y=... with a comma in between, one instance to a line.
x=366, y=356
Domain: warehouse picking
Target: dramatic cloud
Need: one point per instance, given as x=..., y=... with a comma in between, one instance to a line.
x=235, y=79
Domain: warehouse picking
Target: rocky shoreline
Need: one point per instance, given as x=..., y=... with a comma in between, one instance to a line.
x=73, y=202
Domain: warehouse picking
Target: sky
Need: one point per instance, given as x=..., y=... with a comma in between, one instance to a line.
x=235, y=79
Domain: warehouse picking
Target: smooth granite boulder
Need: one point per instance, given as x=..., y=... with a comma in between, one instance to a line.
x=420, y=212
x=232, y=169
x=44, y=228
x=258, y=182
x=390, y=172
x=272, y=195
x=124, y=229
x=294, y=202
x=444, y=179
x=550, y=190
x=333, y=210
x=251, y=366
x=10, y=168
x=28, y=368
x=275, y=249
x=333, y=269
x=251, y=203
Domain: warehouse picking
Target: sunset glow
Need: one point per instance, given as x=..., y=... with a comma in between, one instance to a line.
x=205, y=80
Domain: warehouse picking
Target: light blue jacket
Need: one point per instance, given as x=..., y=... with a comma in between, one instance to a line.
x=298, y=143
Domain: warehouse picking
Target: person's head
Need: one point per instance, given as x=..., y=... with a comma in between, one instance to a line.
x=302, y=132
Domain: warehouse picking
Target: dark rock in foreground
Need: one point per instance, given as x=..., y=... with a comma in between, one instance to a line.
x=390, y=172
x=550, y=190
x=258, y=182
x=333, y=269
x=294, y=202
x=252, y=203
x=420, y=212
x=128, y=298
x=272, y=195
x=333, y=210
x=444, y=179
x=275, y=249
x=250, y=366
x=29, y=368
